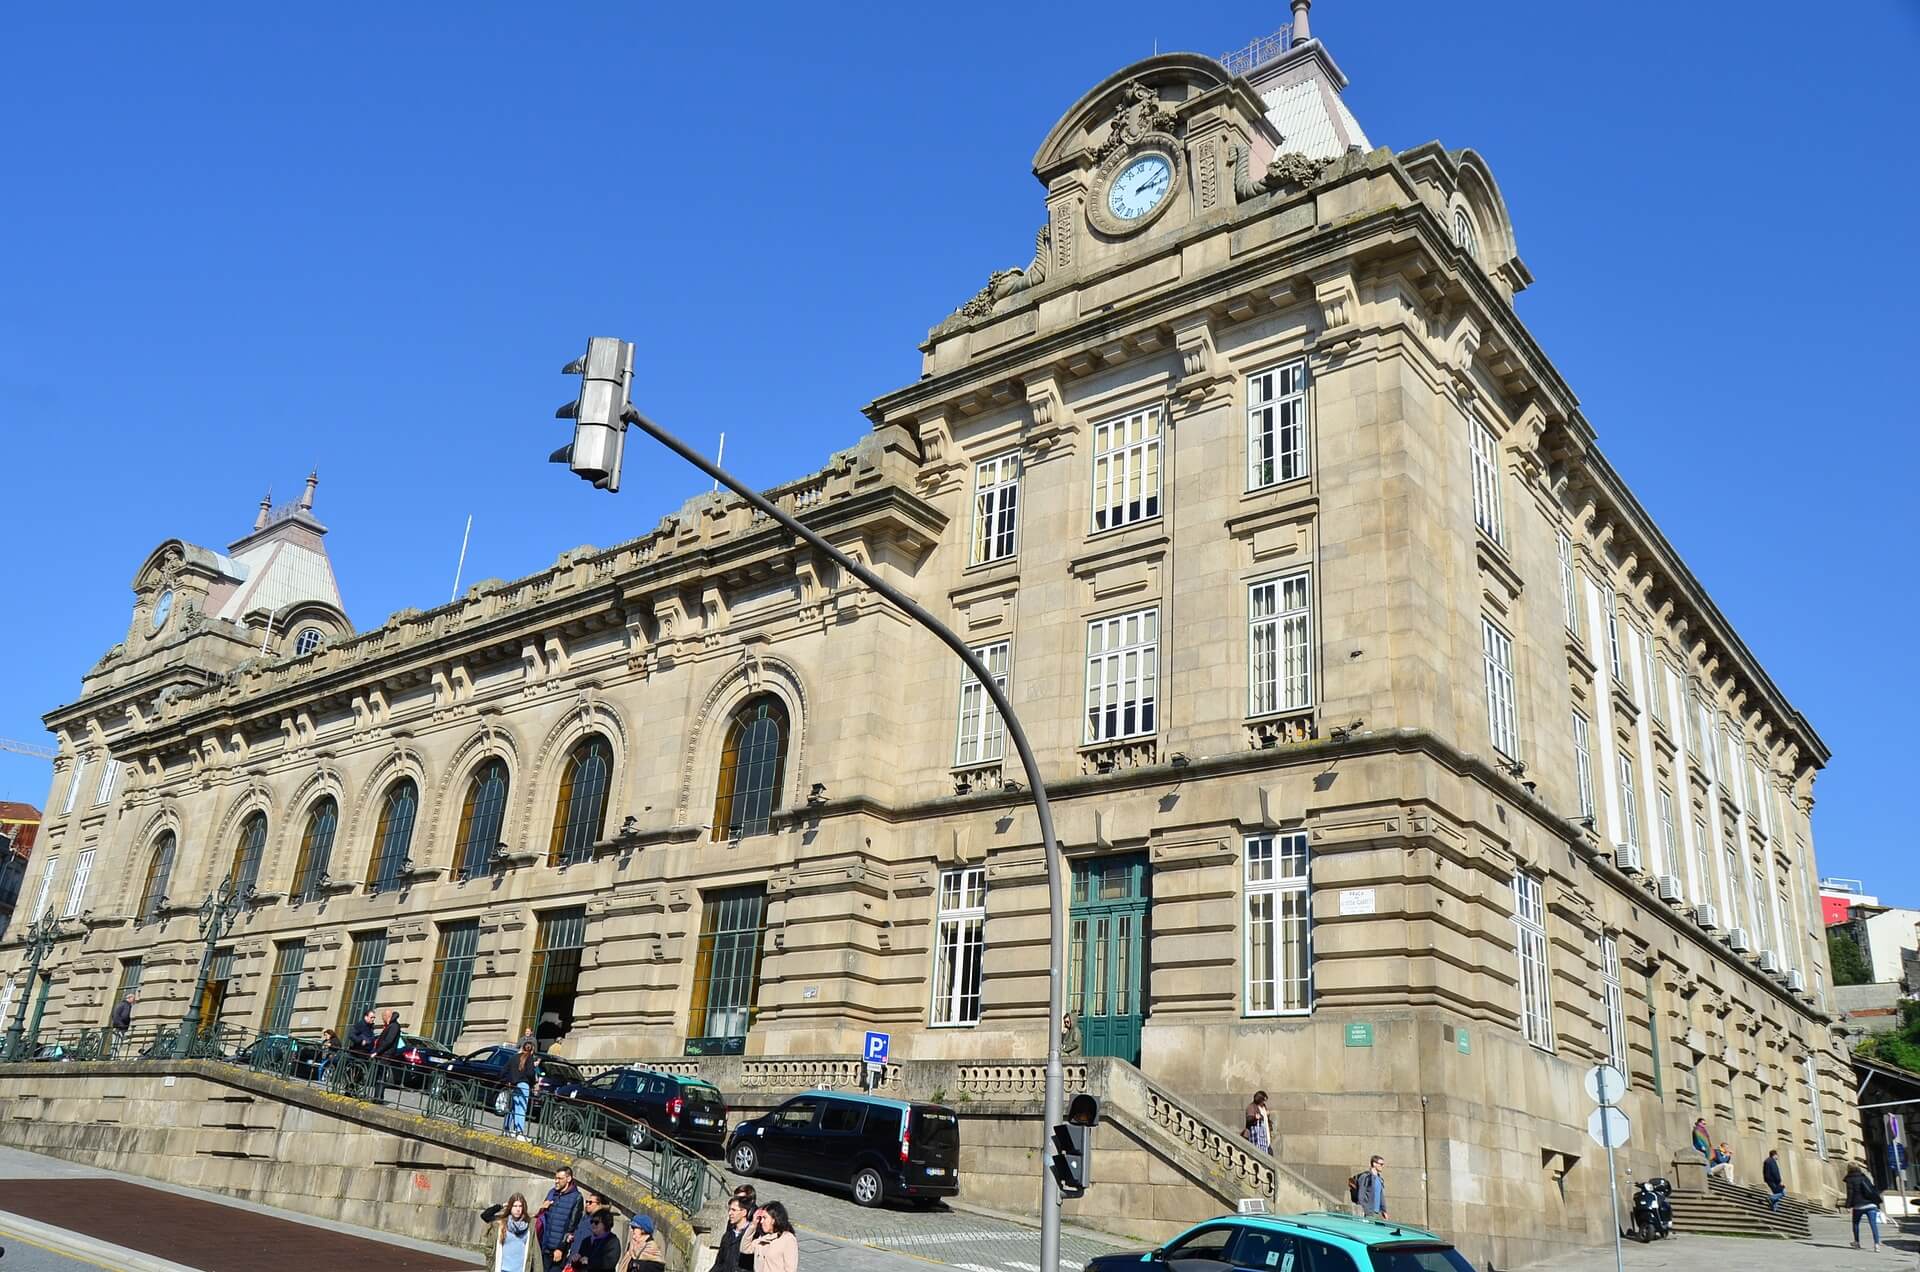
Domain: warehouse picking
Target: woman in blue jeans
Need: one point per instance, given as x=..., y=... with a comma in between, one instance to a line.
x=1863, y=1198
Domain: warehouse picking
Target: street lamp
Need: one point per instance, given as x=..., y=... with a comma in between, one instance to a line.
x=40, y=940
x=217, y=914
x=601, y=415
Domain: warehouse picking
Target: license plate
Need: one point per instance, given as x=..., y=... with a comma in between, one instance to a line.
x=703, y=1121
x=936, y=1170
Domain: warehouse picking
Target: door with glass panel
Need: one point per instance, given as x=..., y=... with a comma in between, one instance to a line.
x=726, y=971
x=1107, y=926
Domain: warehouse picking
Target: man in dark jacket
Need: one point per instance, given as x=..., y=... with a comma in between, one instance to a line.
x=386, y=1054
x=727, y=1257
x=361, y=1037
x=1770, y=1171
x=559, y=1216
x=122, y=1020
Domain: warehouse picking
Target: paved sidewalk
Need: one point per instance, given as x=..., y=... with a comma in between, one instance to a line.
x=1830, y=1250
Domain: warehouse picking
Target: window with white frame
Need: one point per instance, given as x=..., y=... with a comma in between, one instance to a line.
x=1669, y=834
x=1702, y=864
x=77, y=890
x=1536, y=989
x=1569, y=584
x=1280, y=645
x=6, y=999
x=959, y=940
x=1583, y=762
x=983, y=734
x=1629, y=804
x=1760, y=811
x=1279, y=938
x=996, y=508
x=1709, y=746
x=1650, y=668
x=1611, y=994
x=46, y=889
x=1123, y=668
x=307, y=641
x=1487, y=513
x=1616, y=660
x=1277, y=425
x=1496, y=651
x=1732, y=876
x=109, y=777
x=1735, y=771
x=73, y=784
x=1762, y=912
x=1126, y=469
x=1464, y=234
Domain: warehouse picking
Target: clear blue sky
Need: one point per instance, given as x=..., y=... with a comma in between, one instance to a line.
x=241, y=241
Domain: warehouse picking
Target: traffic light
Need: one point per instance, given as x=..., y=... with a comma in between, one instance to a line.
x=1072, y=1162
x=599, y=414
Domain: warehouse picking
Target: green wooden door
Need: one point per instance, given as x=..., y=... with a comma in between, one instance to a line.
x=1107, y=923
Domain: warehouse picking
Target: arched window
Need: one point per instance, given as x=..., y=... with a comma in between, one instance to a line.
x=393, y=836
x=159, y=871
x=1464, y=234
x=316, y=850
x=307, y=641
x=246, y=853
x=580, y=814
x=480, y=818
x=751, y=766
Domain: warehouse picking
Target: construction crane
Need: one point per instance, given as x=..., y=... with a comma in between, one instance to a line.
x=28, y=748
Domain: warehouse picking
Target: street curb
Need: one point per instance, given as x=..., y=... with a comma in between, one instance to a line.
x=84, y=1246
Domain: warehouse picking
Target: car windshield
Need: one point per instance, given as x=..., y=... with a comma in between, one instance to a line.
x=1419, y=1259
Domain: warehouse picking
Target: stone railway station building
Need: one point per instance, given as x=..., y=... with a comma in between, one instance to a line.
x=1404, y=768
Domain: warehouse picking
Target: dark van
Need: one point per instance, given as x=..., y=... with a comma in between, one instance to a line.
x=879, y=1149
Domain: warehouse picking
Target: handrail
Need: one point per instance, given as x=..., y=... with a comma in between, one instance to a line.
x=677, y=1174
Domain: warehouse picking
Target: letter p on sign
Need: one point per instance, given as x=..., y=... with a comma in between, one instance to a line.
x=876, y=1048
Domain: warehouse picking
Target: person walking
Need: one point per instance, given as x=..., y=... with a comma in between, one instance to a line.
x=1373, y=1189
x=599, y=1249
x=643, y=1252
x=513, y=1242
x=739, y=1217
x=523, y=1073
x=1863, y=1198
x=774, y=1245
x=121, y=1022
x=1702, y=1142
x=1259, y=1130
x=1770, y=1171
x=559, y=1217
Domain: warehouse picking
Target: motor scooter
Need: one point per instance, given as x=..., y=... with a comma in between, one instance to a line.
x=1652, y=1217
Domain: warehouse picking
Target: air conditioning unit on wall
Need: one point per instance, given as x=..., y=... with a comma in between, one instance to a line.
x=1669, y=886
x=1737, y=940
x=1768, y=963
x=1627, y=857
x=1796, y=982
x=1706, y=916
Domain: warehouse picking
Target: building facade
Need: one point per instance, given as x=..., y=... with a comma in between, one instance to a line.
x=1404, y=769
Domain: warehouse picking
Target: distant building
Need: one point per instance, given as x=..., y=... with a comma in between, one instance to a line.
x=1839, y=896
x=19, y=823
x=1884, y=934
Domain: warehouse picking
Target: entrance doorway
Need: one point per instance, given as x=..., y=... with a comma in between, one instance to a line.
x=1107, y=927
x=554, y=984
x=214, y=995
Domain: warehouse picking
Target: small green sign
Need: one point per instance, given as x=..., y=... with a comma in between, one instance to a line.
x=1360, y=1034
x=1460, y=1041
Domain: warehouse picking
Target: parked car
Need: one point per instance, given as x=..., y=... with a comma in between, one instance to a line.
x=304, y=1054
x=489, y=1065
x=1322, y=1242
x=878, y=1149
x=682, y=1108
x=423, y=1056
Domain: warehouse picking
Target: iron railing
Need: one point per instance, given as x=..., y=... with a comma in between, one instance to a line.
x=671, y=1171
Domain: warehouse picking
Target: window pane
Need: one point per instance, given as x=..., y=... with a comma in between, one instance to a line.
x=481, y=816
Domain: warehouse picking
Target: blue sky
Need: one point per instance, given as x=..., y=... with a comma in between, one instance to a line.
x=242, y=241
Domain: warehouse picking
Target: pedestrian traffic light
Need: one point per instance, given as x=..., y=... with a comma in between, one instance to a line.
x=1072, y=1162
x=599, y=414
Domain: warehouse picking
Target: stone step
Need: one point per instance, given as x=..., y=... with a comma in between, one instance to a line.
x=1731, y=1208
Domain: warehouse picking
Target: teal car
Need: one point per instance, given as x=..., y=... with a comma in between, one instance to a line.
x=1321, y=1242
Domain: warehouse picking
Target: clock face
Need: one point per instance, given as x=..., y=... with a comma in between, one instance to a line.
x=162, y=608
x=1139, y=187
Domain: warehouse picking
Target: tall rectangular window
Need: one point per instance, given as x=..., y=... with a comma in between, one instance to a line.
x=1732, y=876
x=1616, y=658
x=726, y=971
x=109, y=775
x=452, y=981
x=46, y=889
x=364, y=964
x=996, y=508
x=1709, y=743
x=1123, y=667
x=1735, y=771
x=77, y=891
x=1569, y=584
x=1279, y=949
x=1761, y=814
x=1762, y=913
x=1280, y=645
x=1650, y=668
x=1487, y=513
x=1702, y=864
x=131, y=972
x=73, y=784
x=982, y=733
x=1496, y=651
x=289, y=963
x=1669, y=834
x=1812, y=1078
x=1277, y=425
x=553, y=981
x=1126, y=469
x=1616, y=1012
x=1583, y=762
x=1536, y=989
x=1629, y=804
x=959, y=941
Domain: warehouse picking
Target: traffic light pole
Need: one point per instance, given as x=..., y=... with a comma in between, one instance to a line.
x=1036, y=787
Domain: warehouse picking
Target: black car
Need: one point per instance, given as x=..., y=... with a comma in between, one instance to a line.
x=879, y=1149
x=489, y=1065
x=299, y=1057
x=682, y=1108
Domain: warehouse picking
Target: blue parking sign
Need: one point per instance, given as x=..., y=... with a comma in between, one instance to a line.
x=876, y=1048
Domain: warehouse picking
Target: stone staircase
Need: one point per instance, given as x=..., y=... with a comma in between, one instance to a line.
x=1731, y=1209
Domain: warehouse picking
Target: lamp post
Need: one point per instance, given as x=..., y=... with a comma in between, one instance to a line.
x=601, y=416
x=217, y=914
x=40, y=940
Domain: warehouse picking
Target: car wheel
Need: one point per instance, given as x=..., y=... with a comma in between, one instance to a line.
x=745, y=1159
x=868, y=1188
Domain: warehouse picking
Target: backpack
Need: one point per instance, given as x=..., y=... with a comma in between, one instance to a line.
x=1353, y=1188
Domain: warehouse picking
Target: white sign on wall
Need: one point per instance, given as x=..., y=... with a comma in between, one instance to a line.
x=1356, y=901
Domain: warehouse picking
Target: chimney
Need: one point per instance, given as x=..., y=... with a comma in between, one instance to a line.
x=1300, y=32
